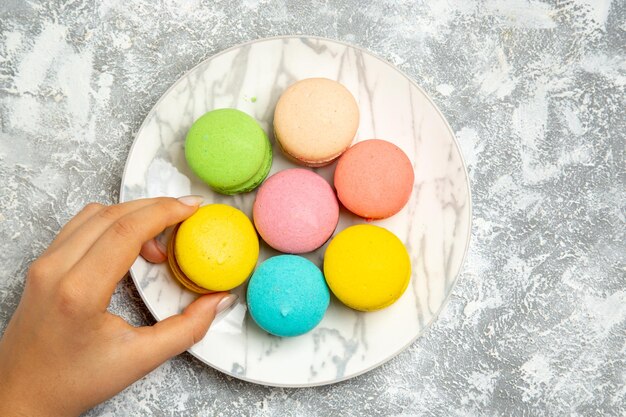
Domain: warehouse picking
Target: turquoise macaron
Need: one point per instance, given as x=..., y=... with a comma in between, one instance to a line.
x=287, y=295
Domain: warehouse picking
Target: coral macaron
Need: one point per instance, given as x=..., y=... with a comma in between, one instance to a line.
x=315, y=121
x=295, y=211
x=216, y=249
x=229, y=151
x=367, y=267
x=374, y=179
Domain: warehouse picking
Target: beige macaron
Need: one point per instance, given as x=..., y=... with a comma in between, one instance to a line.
x=315, y=121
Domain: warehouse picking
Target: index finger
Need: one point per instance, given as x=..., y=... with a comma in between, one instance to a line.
x=112, y=254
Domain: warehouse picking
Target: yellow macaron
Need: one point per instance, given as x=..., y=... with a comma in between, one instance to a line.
x=367, y=267
x=216, y=249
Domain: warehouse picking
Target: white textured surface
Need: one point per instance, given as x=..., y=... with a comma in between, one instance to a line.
x=534, y=92
x=434, y=225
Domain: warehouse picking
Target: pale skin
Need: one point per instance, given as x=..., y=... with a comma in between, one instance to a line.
x=62, y=351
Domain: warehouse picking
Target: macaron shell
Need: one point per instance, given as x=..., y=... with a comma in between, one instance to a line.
x=374, y=179
x=217, y=247
x=367, y=267
x=255, y=181
x=287, y=295
x=228, y=150
x=177, y=272
x=309, y=163
x=296, y=211
x=315, y=120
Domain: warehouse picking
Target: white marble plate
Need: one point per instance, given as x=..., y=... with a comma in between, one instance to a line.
x=434, y=225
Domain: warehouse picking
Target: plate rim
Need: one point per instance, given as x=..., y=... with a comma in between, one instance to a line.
x=469, y=201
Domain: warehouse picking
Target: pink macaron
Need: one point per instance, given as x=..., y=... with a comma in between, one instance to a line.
x=295, y=211
x=374, y=179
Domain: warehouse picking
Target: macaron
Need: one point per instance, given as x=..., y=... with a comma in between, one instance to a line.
x=315, y=121
x=295, y=211
x=374, y=179
x=287, y=295
x=229, y=151
x=215, y=249
x=367, y=267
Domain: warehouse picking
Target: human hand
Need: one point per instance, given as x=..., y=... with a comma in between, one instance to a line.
x=62, y=351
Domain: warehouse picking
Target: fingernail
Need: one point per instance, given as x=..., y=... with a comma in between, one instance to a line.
x=225, y=303
x=161, y=247
x=191, y=200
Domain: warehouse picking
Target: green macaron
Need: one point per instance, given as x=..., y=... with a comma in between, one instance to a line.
x=229, y=151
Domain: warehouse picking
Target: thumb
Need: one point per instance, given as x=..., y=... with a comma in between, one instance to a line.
x=178, y=333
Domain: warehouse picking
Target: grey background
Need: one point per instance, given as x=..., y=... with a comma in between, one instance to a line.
x=535, y=93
